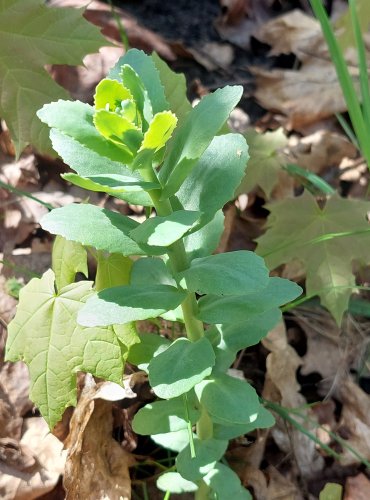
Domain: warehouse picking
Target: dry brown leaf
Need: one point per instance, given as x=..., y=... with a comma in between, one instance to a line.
x=354, y=421
x=211, y=55
x=321, y=150
x=292, y=33
x=15, y=382
x=305, y=96
x=97, y=466
x=280, y=487
x=241, y=18
x=282, y=387
x=357, y=488
x=311, y=93
x=38, y=462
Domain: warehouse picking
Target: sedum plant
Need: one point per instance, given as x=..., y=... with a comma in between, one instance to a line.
x=142, y=142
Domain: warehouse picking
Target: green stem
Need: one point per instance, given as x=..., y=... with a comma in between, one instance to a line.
x=194, y=328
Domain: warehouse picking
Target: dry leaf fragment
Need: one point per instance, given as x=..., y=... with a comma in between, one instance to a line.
x=24, y=480
x=241, y=18
x=282, y=387
x=357, y=488
x=305, y=96
x=355, y=419
x=292, y=33
x=97, y=466
x=321, y=150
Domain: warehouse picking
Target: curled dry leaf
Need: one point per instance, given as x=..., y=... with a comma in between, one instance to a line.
x=34, y=465
x=97, y=466
x=282, y=387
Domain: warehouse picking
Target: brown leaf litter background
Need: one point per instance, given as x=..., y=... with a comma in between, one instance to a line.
x=276, y=50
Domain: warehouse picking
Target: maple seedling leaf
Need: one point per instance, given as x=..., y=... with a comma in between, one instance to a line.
x=266, y=161
x=45, y=335
x=326, y=240
x=33, y=35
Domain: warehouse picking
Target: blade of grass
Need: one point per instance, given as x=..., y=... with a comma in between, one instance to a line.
x=348, y=130
x=14, y=190
x=345, y=80
x=362, y=62
x=333, y=435
x=284, y=413
x=314, y=180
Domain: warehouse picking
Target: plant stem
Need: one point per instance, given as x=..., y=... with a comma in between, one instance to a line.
x=194, y=328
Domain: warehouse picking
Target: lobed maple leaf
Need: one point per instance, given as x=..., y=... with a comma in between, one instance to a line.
x=33, y=35
x=326, y=240
x=45, y=335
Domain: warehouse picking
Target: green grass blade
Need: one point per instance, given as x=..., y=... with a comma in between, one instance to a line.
x=309, y=179
x=347, y=129
x=362, y=62
x=345, y=80
x=19, y=192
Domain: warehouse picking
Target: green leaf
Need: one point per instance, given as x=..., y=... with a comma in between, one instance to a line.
x=235, y=309
x=113, y=270
x=119, y=130
x=176, y=370
x=325, y=240
x=215, y=177
x=165, y=416
x=174, y=483
x=265, y=161
x=44, y=334
x=205, y=241
x=68, y=258
x=146, y=69
x=76, y=119
x=331, y=491
x=44, y=36
x=163, y=231
x=151, y=271
x=228, y=399
x=109, y=95
x=264, y=420
x=150, y=345
x=93, y=226
x=232, y=273
x=174, y=441
x=112, y=184
x=85, y=161
x=207, y=453
x=226, y=484
x=159, y=131
x=132, y=81
x=174, y=87
x=195, y=134
x=123, y=304
x=228, y=339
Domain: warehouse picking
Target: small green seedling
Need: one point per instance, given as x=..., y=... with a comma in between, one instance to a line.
x=143, y=143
